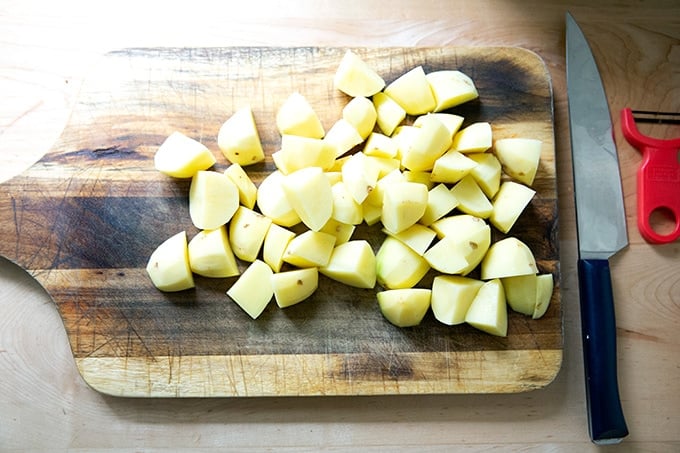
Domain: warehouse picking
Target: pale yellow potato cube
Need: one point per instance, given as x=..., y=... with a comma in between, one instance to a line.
x=310, y=249
x=404, y=307
x=292, y=287
x=213, y=199
x=440, y=201
x=375, y=196
x=273, y=202
x=398, y=266
x=355, y=77
x=403, y=136
x=247, y=231
x=339, y=163
x=390, y=114
x=471, y=198
x=452, y=296
x=380, y=145
x=360, y=113
x=334, y=177
x=343, y=136
x=451, y=88
x=412, y=92
x=247, y=190
x=459, y=224
x=210, y=254
x=253, y=290
x=487, y=172
x=459, y=253
x=519, y=157
x=385, y=165
x=544, y=290
x=296, y=116
x=452, y=167
x=429, y=143
x=299, y=152
x=418, y=237
x=239, y=140
x=352, y=263
x=507, y=258
x=275, y=244
x=182, y=157
x=372, y=214
x=475, y=138
x=529, y=294
x=168, y=266
x=309, y=193
x=520, y=293
x=360, y=176
x=510, y=201
x=451, y=121
x=488, y=311
x=342, y=231
x=403, y=205
x=345, y=207
x=420, y=177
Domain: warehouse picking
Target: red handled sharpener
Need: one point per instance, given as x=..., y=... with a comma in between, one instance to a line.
x=658, y=178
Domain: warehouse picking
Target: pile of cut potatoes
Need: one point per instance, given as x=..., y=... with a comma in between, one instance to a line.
x=433, y=187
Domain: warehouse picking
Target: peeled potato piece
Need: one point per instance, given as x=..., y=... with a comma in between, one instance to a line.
x=508, y=257
x=412, y=92
x=181, y=157
x=309, y=193
x=296, y=116
x=451, y=88
x=247, y=231
x=360, y=113
x=452, y=296
x=168, y=265
x=488, y=311
x=213, y=199
x=356, y=78
x=239, y=140
x=398, y=266
x=389, y=113
x=519, y=157
x=253, y=290
x=292, y=287
x=352, y=263
x=210, y=254
x=404, y=307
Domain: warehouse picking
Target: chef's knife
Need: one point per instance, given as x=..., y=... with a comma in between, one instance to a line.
x=601, y=228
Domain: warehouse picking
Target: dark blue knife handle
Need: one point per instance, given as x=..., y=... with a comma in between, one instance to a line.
x=598, y=327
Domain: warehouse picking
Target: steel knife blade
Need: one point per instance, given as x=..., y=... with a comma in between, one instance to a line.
x=601, y=229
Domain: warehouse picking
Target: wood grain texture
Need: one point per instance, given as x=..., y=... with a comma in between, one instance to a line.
x=86, y=217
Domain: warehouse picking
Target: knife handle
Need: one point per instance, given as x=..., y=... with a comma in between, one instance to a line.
x=606, y=422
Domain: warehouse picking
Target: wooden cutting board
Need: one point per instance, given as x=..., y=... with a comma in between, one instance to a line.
x=84, y=220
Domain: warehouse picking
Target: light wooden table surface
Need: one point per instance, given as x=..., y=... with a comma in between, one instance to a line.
x=46, y=51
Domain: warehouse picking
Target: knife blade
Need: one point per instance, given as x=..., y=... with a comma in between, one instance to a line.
x=601, y=229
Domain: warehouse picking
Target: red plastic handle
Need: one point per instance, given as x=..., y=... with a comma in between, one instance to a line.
x=658, y=179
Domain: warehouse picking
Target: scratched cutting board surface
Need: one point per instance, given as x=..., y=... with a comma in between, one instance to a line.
x=85, y=218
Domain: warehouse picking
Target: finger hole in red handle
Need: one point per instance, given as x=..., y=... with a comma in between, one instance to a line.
x=662, y=226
